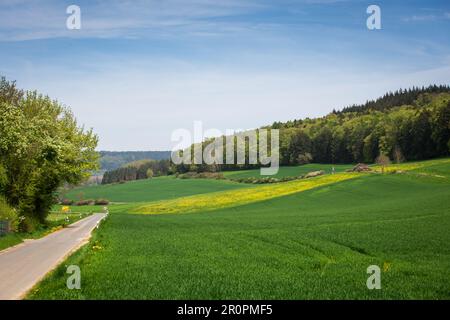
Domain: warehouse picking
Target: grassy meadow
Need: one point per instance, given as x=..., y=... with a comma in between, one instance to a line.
x=151, y=189
x=304, y=239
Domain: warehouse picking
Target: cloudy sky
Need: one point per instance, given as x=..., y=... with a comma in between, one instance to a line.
x=138, y=70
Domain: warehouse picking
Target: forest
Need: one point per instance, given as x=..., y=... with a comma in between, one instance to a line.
x=405, y=125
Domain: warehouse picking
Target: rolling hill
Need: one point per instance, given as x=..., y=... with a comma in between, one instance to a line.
x=312, y=244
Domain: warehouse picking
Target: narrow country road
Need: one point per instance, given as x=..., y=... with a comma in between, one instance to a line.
x=22, y=266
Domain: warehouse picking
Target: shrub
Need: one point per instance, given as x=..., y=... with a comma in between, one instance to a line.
x=360, y=167
x=304, y=158
x=8, y=214
x=85, y=202
x=3, y=178
x=398, y=155
x=254, y=180
x=383, y=161
x=210, y=175
x=101, y=202
x=314, y=174
x=29, y=224
x=201, y=175
x=66, y=202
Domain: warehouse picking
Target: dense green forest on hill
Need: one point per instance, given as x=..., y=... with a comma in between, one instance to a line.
x=406, y=125
x=413, y=132
x=397, y=98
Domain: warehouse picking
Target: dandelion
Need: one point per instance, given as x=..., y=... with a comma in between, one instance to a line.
x=65, y=209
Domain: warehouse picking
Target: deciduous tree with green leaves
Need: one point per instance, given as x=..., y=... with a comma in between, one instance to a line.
x=41, y=148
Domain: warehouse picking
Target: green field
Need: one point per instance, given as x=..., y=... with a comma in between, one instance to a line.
x=288, y=171
x=313, y=244
x=152, y=189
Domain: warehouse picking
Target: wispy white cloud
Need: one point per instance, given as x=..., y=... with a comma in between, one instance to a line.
x=46, y=18
x=427, y=17
x=20, y=20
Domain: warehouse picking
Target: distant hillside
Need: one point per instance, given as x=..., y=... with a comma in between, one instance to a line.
x=137, y=170
x=110, y=160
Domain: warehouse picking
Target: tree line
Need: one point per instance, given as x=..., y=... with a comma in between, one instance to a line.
x=110, y=160
x=141, y=169
x=411, y=124
x=415, y=131
x=42, y=147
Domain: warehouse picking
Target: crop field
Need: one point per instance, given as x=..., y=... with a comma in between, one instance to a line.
x=313, y=242
x=217, y=200
x=152, y=189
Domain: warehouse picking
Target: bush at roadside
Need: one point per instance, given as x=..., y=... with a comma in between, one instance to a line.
x=101, y=202
x=8, y=214
x=88, y=202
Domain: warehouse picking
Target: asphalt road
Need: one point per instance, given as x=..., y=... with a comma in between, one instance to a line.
x=22, y=266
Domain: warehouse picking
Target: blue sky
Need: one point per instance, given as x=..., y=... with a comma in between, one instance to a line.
x=137, y=70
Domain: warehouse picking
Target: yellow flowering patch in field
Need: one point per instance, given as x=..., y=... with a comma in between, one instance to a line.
x=217, y=200
x=397, y=167
x=410, y=166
